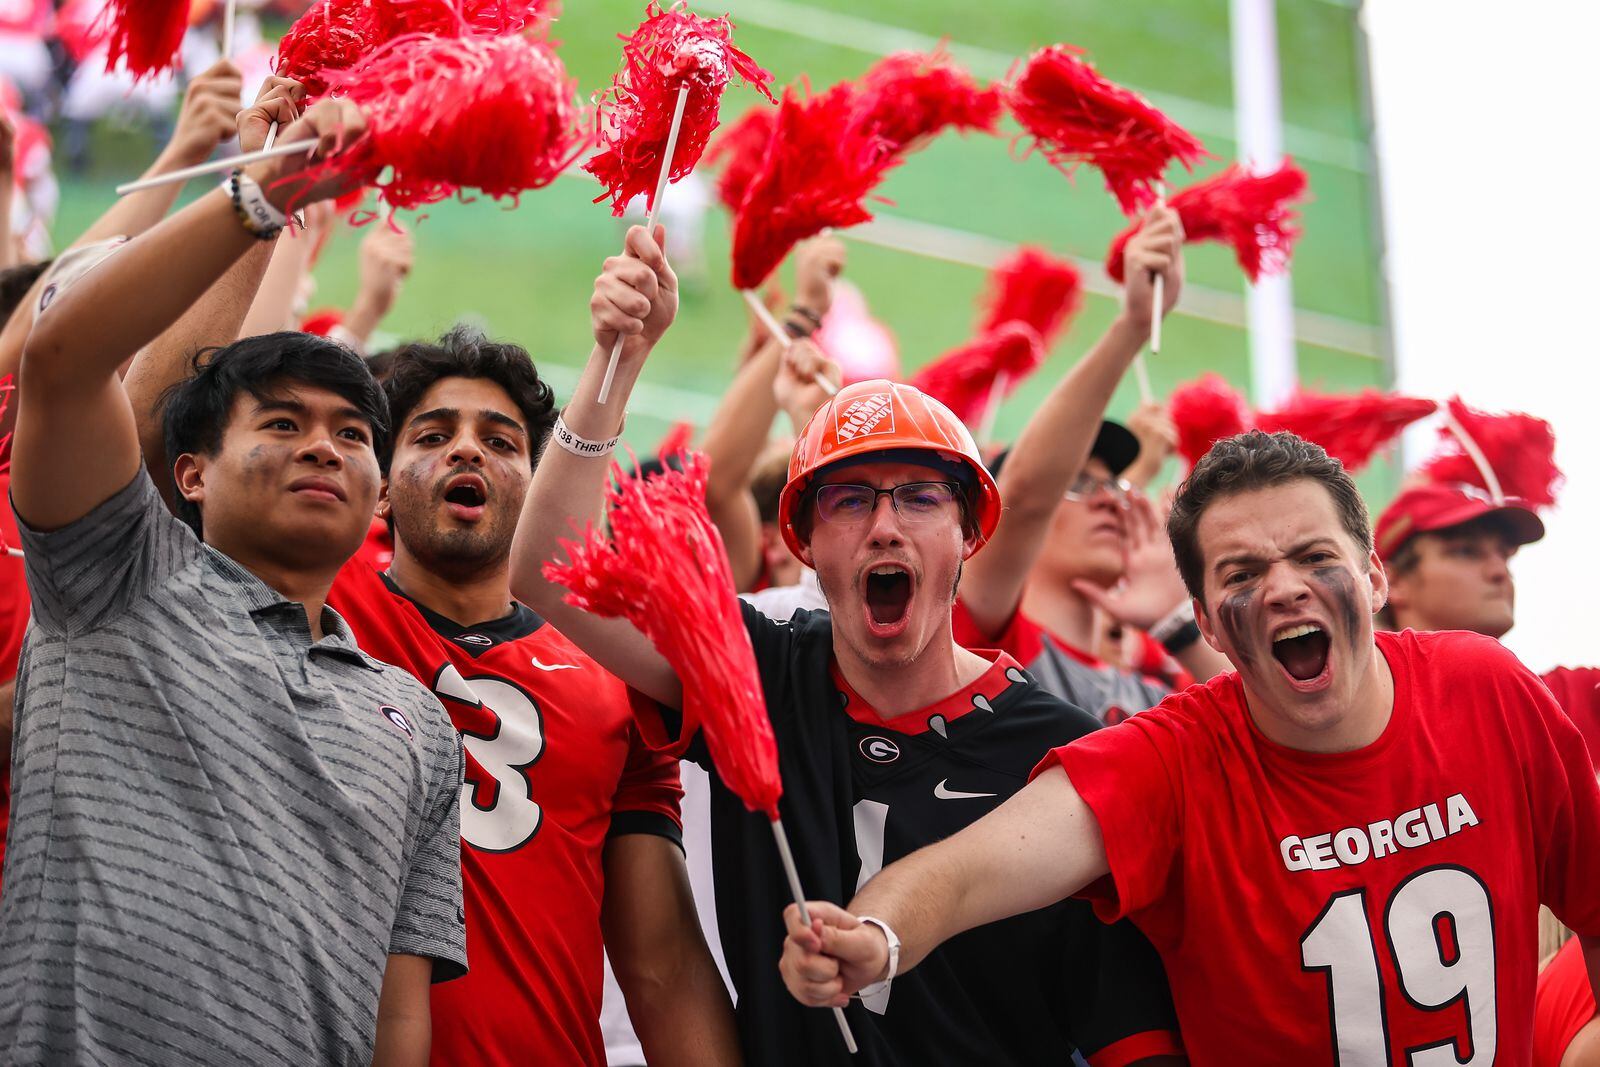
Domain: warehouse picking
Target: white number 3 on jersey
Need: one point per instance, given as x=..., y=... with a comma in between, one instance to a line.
x=514, y=743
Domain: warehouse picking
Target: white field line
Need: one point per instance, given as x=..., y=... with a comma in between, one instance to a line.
x=932, y=241
x=880, y=39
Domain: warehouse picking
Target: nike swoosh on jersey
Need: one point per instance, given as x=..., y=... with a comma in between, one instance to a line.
x=955, y=794
x=552, y=666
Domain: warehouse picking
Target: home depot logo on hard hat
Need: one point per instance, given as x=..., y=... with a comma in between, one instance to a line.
x=873, y=413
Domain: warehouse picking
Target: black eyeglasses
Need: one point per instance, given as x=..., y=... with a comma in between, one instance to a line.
x=845, y=502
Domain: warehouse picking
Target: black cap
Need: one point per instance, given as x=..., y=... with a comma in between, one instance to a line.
x=1115, y=446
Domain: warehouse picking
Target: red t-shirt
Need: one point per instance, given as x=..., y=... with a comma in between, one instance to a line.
x=1308, y=904
x=1577, y=690
x=554, y=764
x=13, y=624
x=1563, y=1005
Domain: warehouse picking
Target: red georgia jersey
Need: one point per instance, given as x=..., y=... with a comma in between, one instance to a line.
x=1358, y=908
x=553, y=764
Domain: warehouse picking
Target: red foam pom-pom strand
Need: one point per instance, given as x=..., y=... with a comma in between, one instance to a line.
x=1078, y=116
x=1034, y=287
x=665, y=570
x=911, y=96
x=672, y=49
x=821, y=164
x=964, y=379
x=495, y=114
x=1350, y=428
x=1520, y=448
x=677, y=439
x=1205, y=411
x=143, y=36
x=739, y=150
x=1253, y=213
x=330, y=35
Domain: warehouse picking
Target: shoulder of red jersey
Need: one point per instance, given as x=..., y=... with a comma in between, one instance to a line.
x=1460, y=652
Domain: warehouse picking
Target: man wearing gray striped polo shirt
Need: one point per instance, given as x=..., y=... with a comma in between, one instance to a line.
x=235, y=837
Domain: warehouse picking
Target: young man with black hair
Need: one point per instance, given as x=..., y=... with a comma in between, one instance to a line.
x=889, y=735
x=1339, y=851
x=235, y=836
x=569, y=824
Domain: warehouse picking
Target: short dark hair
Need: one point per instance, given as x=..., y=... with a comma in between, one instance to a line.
x=195, y=410
x=1257, y=460
x=15, y=283
x=464, y=352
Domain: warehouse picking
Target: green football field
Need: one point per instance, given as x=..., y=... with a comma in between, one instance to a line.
x=526, y=273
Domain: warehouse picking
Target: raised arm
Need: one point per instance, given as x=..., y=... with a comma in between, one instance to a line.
x=742, y=424
x=1055, y=444
x=1039, y=847
x=272, y=308
x=207, y=119
x=636, y=295
x=74, y=414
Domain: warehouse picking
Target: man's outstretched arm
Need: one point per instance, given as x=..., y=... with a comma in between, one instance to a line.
x=74, y=415
x=1038, y=847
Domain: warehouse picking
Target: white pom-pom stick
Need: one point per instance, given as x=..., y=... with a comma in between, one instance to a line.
x=805, y=916
x=779, y=334
x=229, y=14
x=650, y=224
x=991, y=407
x=1141, y=372
x=1479, y=460
x=13, y=551
x=217, y=166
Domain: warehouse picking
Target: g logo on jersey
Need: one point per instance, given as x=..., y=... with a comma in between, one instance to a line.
x=502, y=730
x=879, y=749
x=398, y=717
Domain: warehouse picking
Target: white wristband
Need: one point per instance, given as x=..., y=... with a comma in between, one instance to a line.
x=259, y=215
x=581, y=446
x=882, y=986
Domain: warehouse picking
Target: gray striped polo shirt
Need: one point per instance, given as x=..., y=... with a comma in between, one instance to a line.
x=219, y=829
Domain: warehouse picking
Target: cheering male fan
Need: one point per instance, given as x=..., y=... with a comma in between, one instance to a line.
x=1372, y=819
x=234, y=835
x=889, y=735
x=568, y=822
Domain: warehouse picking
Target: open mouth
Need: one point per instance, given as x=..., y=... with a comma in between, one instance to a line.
x=1302, y=651
x=466, y=498
x=887, y=591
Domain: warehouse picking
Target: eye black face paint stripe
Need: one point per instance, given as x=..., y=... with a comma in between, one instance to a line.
x=1341, y=589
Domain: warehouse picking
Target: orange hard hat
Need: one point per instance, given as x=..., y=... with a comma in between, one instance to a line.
x=878, y=416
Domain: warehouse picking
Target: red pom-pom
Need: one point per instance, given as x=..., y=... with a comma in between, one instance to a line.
x=497, y=114
x=665, y=570
x=822, y=163
x=739, y=151
x=675, y=440
x=910, y=96
x=144, y=36
x=1204, y=412
x=966, y=378
x=1077, y=116
x=671, y=49
x=331, y=35
x=1034, y=287
x=1350, y=428
x=1251, y=212
x=1521, y=450
x=494, y=18
x=322, y=321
